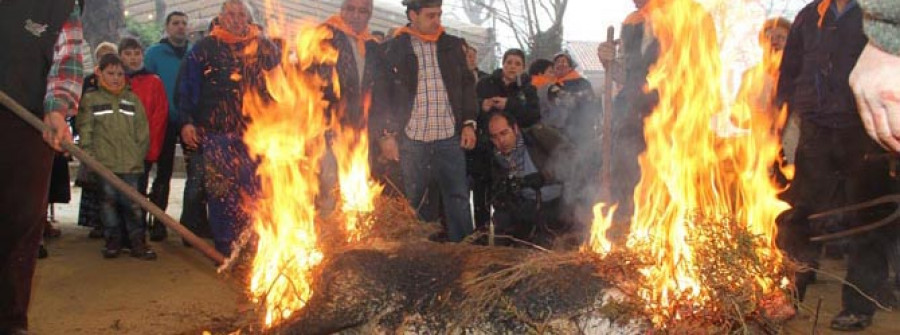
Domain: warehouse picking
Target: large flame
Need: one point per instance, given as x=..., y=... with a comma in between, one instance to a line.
x=287, y=134
x=358, y=191
x=705, y=158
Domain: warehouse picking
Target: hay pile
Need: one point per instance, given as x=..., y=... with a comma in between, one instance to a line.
x=395, y=280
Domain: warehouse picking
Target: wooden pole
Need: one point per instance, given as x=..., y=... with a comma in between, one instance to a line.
x=606, y=145
x=110, y=177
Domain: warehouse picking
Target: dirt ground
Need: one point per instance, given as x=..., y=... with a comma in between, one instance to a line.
x=76, y=291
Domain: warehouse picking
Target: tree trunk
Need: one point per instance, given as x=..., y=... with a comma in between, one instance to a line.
x=547, y=43
x=161, y=12
x=103, y=20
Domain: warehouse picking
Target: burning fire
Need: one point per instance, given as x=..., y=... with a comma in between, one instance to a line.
x=358, y=190
x=287, y=134
x=282, y=135
x=693, y=168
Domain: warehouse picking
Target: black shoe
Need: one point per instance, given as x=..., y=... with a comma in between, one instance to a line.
x=143, y=254
x=42, y=252
x=158, y=232
x=111, y=253
x=848, y=321
x=96, y=232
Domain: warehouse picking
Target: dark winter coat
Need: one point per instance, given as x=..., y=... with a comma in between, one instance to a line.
x=396, y=79
x=214, y=79
x=353, y=91
x=817, y=62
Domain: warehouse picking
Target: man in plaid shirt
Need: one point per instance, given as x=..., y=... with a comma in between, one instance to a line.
x=424, y=109
x=43, y=73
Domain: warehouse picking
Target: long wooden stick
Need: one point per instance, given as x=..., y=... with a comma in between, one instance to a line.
x=110, y=177
x=607, y=136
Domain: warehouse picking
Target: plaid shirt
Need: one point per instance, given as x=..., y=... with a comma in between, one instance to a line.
x=67, y=73
x=432, y=117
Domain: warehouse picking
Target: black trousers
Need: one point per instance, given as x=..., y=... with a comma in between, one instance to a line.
x=25, y=164
x=159, y=190
x=837, y=167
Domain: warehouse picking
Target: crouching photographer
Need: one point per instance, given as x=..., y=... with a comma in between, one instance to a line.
x=525, y=195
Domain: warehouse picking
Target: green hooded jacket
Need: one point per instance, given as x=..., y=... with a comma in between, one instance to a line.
x=113, y=128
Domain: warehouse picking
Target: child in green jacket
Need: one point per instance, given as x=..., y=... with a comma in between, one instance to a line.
x=114, y=129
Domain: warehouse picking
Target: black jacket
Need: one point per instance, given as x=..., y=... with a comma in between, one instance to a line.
x=30, y=30
x=353, y=91
x=396, y=80
x=549, y=151
x=522, y=98
x=816, y=66
x=214, y=76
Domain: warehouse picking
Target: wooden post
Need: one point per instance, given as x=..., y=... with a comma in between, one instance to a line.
x=606, y=145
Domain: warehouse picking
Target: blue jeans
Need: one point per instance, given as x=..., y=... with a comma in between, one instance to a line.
x=117, y=210
x=444, y=162
x=230, y=175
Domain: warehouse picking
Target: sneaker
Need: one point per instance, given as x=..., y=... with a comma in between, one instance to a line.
x=848, y=321
x=144, y=254
x=111, y=253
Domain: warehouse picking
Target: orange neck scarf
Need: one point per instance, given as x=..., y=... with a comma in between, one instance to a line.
x=430, y=38
x=541, y=80
x=337, y=22
x=572, y=75
x=227, y=37
x=105, y=85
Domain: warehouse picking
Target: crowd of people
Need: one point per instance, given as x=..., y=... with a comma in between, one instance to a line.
x=514, y=150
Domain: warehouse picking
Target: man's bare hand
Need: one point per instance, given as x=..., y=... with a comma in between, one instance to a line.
x=189, y=137
x=876, y=83
x=468, y=138
x=486, y=105
x=606, y=52
x=389, y=149
x=500, y=103
x=59, y=133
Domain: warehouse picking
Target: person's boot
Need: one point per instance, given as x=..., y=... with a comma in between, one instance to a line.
x=140, y=250
x=42, y=251
x=158, y=231
x=113, y=248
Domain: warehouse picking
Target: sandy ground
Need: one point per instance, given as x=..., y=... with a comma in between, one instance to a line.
x=78, y=292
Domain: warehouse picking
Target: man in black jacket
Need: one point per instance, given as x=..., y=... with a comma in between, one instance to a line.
x=354, y=68
x=424, y=112
x=831, y=165
x=526, y=193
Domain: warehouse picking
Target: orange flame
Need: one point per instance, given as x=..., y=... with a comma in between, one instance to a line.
x=358, y=190
x=284, y=135
x=704, y=156
x=603, y=218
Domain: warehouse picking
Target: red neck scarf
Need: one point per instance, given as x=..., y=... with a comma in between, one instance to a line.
x=338, y=23
x=430, y=38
